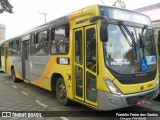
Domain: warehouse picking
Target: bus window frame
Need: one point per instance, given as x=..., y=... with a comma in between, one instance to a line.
x=67, y=27
x=37, y=42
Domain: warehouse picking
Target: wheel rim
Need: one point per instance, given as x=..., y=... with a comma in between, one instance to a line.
x=61, y=91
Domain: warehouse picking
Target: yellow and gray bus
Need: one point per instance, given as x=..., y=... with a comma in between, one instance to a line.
x=100, y=56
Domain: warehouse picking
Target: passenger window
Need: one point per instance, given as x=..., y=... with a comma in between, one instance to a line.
x=60, y=40
x=158, y=42
x=19, y=46
x=42, y=47
x=2, y=53
x=14, y=47
x=32, y=45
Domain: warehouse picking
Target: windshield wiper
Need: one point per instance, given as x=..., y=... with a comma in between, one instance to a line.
x=128, y=32
x=133, y=43
x=130, y=44
x=142, y=44
x=141, y=39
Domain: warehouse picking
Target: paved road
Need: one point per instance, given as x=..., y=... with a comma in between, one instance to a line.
x=26, y=97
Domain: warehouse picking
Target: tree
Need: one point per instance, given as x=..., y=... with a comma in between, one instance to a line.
x=120, y=3
x=5, y=6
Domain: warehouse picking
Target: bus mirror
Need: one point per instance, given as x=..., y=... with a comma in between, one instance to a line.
x=95, y=18
x=103, y=34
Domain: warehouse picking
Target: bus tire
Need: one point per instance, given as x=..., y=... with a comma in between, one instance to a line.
x=13, y=75
x=61, y=91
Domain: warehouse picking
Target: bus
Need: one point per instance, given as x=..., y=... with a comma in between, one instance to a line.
x=100, y=56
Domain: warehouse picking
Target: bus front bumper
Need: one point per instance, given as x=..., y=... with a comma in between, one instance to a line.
x=109, y=101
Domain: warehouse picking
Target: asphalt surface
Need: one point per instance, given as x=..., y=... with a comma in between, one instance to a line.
x=23, y=97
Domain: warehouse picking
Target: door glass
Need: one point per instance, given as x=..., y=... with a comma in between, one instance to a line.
x=79, y=81
x=91, y=49
x=91, y=92
x=26, y=50
x=78, y=46
x=79, y=62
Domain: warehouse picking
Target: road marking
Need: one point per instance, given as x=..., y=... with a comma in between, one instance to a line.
x=6, y=81
x=148, y=102
x=14, y=86
x=64, y=118
x=40, y=103
x=24, y=93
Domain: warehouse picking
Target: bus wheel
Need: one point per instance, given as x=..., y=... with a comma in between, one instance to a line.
x=61, y=91
x=13, y=75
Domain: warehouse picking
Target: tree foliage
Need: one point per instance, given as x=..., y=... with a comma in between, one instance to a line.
x=5, y=6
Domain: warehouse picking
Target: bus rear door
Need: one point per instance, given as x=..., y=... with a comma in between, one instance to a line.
x=25, y=59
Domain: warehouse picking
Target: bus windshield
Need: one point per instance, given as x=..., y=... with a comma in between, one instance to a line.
x=123, y=58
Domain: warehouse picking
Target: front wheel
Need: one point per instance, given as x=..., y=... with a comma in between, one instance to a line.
x=13, y=75
x=61, y=91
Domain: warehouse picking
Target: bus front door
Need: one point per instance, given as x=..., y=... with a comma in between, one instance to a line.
x=25, y=60
x=85, y=67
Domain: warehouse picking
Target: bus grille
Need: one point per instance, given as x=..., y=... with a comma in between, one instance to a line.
x=133, y=79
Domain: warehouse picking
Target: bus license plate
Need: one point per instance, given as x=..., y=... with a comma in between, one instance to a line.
x=143, y=101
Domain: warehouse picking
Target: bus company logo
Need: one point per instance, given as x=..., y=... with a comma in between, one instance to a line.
x=6, y=114
x=142, y=87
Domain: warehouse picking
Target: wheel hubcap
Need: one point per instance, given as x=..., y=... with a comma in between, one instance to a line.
x=61, y=91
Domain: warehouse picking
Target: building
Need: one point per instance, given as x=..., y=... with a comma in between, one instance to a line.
x=2, y=32
x=152, y=10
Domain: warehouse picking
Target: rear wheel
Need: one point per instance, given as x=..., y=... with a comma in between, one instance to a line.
x=13, y=75
x=61, y=91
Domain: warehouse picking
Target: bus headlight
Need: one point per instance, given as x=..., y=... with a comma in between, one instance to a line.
x=112, y=87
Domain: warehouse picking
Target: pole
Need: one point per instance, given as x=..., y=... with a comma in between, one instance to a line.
x=45, y=14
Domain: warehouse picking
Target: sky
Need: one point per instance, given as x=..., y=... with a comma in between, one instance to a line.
x=27, y=12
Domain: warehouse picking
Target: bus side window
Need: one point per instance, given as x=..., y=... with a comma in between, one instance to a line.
x=53, y=43
x=11, y=43
x=2, y=52
x=9, y=52
x=14, y=47
x=159, y=42
x=19, y=46
x=60, y=39
x=42, y=47
x=32, y=45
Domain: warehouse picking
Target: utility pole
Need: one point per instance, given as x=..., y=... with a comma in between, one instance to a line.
x=102, y=2
x=45, y=14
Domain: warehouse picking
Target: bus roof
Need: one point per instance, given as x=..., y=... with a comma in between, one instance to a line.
x=65, y=19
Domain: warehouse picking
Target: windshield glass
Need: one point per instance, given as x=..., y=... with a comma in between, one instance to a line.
x=123, y=58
